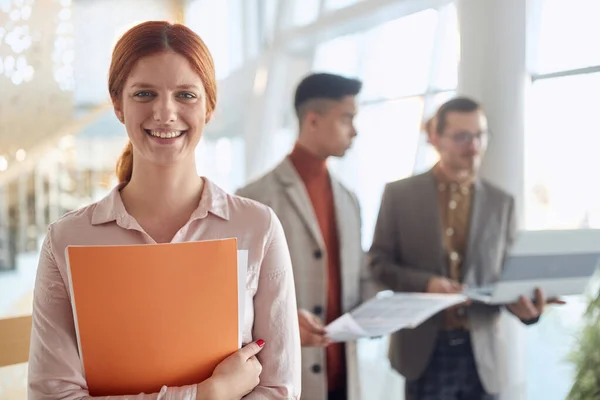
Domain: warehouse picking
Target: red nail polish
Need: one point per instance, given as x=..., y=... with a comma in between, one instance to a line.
x=260, y=342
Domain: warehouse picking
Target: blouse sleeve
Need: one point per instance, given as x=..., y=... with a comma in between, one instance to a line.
x=276, y=321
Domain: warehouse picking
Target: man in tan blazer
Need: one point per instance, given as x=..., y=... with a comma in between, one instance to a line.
x=322, y=222
x=435, y=233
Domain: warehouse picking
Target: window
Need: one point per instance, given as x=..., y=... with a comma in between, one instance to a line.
x=427, y=156
x=339, y=56
x=331, y=5
x=561, y=143
x=220, y=25
x=305, y=11
x=253, y=40
x=383, y=151
x=269, y=19
x=408, y=66
x=446, y=52
x=568, y=32
x=401, y=87
x=399, y=57
x=222, y=161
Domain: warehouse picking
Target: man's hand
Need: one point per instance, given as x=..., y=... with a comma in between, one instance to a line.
x=525, y=309
x=312, y=330
x=439, y=284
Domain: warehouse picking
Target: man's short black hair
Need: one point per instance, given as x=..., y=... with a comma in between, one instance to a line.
x=323, y=86
x=458, y=104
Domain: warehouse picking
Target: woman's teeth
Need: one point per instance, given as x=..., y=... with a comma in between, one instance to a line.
x=166, y=135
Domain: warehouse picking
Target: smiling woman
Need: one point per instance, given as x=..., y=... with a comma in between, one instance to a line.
x=163, y=88
x=133, y=68
x=171, y=111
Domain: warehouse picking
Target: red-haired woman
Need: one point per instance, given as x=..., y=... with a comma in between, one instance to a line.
x=162, y=85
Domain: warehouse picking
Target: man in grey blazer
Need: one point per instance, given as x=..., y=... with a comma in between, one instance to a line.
x=435, y=233
x=322, y=223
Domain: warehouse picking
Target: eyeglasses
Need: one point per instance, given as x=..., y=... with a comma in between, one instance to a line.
x=466, y=138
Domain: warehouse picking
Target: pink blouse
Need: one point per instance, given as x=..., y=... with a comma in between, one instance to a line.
x=271, y=314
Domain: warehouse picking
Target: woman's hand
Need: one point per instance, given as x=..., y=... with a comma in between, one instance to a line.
x=235, y=376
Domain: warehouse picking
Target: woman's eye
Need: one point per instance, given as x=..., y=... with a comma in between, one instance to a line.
x=187, y=95
x=143, y=94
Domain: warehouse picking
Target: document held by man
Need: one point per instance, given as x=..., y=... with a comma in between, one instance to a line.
x=389, y=312
x=154, y=315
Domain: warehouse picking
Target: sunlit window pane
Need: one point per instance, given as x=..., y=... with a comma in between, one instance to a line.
x=398, y=56
x=305, y=11
x=221, y=30
x=269, y=18
x=562, y=144
x=222, y=161
x=427, y=155
x=331, y=5
x=252, y=31
x=383, y=151
x=568, y=36
x=447, y=51
x=339, y=56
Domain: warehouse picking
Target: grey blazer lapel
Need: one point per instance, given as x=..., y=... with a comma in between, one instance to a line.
x=298, y=196
x=476, y=226
x=428, y=219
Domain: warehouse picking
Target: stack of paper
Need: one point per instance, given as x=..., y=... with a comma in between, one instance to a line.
x=154, y=315
x=389, y=312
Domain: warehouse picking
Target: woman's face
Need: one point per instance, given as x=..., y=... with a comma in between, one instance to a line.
x=163, y=107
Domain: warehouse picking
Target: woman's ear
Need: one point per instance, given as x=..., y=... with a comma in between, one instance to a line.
x=119, y=112
x=208, y=117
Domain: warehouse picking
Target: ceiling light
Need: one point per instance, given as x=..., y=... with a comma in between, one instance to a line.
x=3, y=164
x=20, y=155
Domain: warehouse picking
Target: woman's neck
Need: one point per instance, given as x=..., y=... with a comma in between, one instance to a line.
x=156, y=192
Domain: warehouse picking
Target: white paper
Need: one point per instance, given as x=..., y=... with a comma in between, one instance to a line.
x=242, y=264
x=345, y=328
x=389, y=312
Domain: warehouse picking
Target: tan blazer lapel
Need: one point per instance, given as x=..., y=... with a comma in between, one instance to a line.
x=298, y=197
x=348, y=227
x=340, y=209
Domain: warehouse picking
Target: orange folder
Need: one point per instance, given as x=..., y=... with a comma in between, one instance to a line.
x=153, y=315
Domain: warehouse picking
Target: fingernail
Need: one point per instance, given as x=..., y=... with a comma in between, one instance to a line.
x=260, y=342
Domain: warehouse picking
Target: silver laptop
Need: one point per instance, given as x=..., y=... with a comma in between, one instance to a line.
x=560, y=263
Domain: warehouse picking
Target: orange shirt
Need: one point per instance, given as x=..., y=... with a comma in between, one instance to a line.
x=315, y=176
